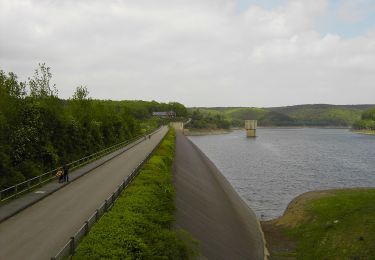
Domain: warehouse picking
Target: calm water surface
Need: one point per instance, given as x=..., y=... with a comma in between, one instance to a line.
x=272, y=169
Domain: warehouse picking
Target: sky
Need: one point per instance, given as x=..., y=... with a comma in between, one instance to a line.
x=198, y=52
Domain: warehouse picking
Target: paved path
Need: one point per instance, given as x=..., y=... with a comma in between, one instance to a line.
x=210, y=209
x=41, y=230
x=26, y=200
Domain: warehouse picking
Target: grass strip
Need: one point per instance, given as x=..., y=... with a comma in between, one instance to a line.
x=338, y=225
x=139, y=226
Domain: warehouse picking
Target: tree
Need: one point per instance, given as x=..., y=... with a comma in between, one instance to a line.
x=180, y=109
x=81, y=93
x=40, y=83
x=369, y=114
x=9, y=86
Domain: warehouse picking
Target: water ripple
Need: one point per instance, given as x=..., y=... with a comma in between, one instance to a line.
x=270, y=170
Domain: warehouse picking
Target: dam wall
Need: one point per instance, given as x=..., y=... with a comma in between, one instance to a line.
x=178, y=126
x=211, y=210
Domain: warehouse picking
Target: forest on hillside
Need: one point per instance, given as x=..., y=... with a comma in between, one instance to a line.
x=40, y=131
x=320, y=115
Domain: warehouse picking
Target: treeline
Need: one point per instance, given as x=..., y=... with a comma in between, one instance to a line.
x=211, y=119
x=265, y=118
x=39, y=131
x=301, y=115
x=207, y=121
x=323, y=114
x=367, y=121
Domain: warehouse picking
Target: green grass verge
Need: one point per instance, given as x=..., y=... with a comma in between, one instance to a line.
x=338, y=226
x=139, y=226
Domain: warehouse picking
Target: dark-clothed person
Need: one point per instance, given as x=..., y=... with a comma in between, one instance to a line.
x=66, y=173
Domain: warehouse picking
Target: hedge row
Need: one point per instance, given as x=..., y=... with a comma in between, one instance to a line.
x=139, y=226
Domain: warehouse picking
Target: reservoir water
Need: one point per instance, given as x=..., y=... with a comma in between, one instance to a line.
x=278, y=165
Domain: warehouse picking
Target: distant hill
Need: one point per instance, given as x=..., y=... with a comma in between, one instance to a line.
x=299, y=115
x=323, y=115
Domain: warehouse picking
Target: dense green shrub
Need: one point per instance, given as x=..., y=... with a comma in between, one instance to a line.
x=139, y=224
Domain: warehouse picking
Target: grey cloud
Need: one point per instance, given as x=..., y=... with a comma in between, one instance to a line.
x=196, y=52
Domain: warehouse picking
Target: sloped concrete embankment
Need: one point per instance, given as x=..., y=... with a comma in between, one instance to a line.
x=211, y=210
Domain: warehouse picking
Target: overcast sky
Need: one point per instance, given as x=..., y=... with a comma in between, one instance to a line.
x=197, y=52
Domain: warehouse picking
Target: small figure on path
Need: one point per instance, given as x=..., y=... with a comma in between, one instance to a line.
x=66, y=173
x=149, y=136
x=60, y=174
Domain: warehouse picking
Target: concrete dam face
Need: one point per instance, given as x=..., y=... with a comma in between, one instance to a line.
x=178, y=126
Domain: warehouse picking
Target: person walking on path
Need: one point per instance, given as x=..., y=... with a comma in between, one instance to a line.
x=66, y=173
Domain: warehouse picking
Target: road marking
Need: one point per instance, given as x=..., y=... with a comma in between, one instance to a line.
x=40, y=192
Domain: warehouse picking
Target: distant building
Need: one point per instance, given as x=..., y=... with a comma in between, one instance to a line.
x=166, y=114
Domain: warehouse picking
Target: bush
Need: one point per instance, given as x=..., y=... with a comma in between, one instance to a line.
x=139, y=224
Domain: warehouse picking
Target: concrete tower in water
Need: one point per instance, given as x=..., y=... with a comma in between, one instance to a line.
x=251, y=128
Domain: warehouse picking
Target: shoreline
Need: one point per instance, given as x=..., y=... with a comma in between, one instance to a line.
x=308, y=196
x=364, y=132
x=202, y=132
x=206, y=132
x=302, y=127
